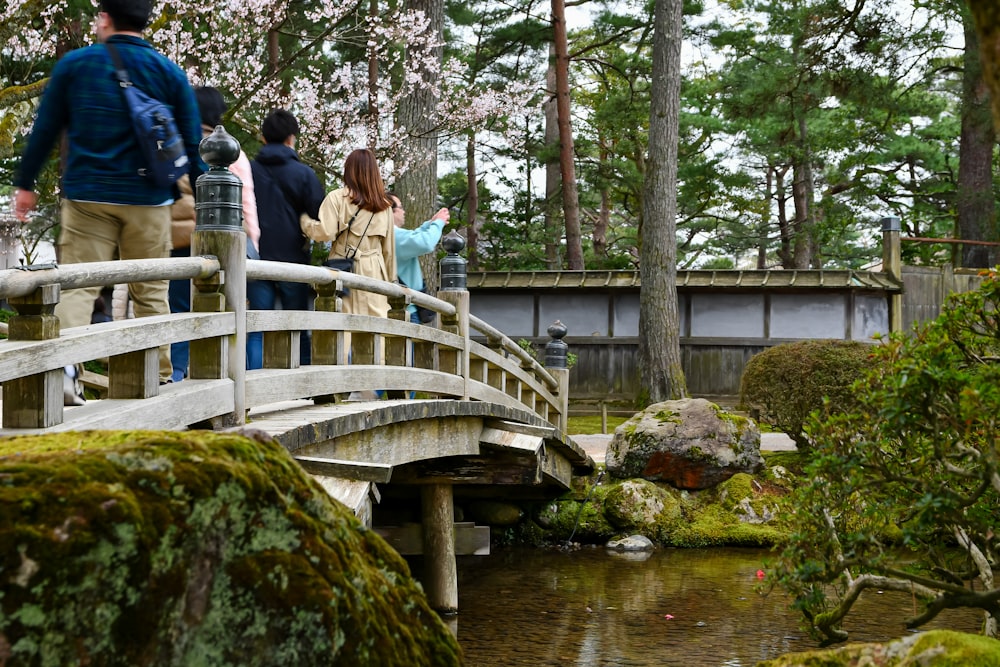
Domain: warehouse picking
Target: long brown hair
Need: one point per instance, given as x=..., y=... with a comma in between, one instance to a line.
x=364, y=182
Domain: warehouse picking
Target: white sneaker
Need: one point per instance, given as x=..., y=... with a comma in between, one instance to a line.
x=72, y=391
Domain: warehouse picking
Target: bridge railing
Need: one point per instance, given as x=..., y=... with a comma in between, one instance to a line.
x=349, y=352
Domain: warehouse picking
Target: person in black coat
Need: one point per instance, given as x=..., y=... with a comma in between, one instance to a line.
x=285, y=190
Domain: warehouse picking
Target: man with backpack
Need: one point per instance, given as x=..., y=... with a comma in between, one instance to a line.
x=111, y=207
x=285, y=189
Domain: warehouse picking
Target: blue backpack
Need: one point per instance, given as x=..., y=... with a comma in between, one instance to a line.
x=155, y=130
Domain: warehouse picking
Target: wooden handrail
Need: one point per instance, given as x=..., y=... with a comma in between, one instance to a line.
x=513, y=349
x=22, y=282
x=131, y=343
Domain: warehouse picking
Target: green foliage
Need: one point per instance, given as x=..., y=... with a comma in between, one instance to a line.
x=787, y=382
x=915, y=462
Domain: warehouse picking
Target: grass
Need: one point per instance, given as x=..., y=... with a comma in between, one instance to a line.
x=591, y=424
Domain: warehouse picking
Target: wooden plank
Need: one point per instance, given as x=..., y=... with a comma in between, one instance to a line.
x=527, y=429
x=177, y=407
x=97, y=341
x=501, y=438
x=367, y=472
x=356, y=495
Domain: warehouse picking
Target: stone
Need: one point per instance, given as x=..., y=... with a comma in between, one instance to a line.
x=934, y=648
x=632, y=543
x=637, y=504
x=185, y=548
x=690, y=443
x=493, y=513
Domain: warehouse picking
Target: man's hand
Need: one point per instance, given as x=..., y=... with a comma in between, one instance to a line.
x=25, y=202
x=443, y=215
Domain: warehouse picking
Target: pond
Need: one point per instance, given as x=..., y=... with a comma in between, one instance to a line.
x=683, y=607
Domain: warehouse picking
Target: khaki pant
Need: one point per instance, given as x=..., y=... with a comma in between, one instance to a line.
x=93, y=232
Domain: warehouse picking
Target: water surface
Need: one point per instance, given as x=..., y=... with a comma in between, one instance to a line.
x=683, y=607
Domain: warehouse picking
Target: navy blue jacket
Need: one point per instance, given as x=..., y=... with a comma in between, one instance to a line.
x=285, y=189
x=84, y=98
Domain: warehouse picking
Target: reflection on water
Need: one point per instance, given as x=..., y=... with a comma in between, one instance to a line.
x=684, y=607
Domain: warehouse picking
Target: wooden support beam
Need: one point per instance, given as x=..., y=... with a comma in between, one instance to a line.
x=441, y=573
x=357, y=496
x=516, y=427
x=134, y=374
x=499, y=467
x=367, y=472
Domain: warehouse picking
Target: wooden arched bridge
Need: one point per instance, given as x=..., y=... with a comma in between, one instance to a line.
x=488, y=419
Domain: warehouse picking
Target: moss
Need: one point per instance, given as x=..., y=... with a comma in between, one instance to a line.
x=935, y=648
x=735, y=489
x=712, y=525
x=668, y=416
x=584, y=520
x=194, y=548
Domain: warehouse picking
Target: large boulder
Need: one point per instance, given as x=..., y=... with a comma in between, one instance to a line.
x=690, y=443
x=195, y=548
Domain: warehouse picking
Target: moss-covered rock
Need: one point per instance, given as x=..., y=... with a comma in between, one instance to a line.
x=195, y=548
x=637, y=504
x=584, y=520
x=936, y=648
x=689, y=443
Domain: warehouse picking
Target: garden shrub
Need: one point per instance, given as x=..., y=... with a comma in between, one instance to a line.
x=787, y=382
x=915, y=463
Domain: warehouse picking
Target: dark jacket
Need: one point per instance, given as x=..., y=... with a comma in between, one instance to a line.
x=285, y=189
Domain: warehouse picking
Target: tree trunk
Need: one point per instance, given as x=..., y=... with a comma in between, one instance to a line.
x=472, y=204
x=571, y=203
x=661, y=373
x=600, y=235
x=785, y=231
x=765, y=219
x=975, y=204
x=987, y=17
x=553, y=220
x=802, y=228
x=417, y=187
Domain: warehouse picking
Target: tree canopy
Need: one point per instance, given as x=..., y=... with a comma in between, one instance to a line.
x=802, y=122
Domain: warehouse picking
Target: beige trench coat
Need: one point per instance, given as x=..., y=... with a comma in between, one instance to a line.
x=376, y=256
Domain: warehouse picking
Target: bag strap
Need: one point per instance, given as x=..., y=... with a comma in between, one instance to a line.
x=120, y=72
x=355, y=248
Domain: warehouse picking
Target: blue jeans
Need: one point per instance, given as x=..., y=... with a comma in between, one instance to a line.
x=262, y=295
x=179, y=296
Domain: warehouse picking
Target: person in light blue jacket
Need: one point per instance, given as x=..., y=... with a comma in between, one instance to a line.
x=411, y=244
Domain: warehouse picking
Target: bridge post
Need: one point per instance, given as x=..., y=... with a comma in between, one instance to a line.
x=441, y=568
x=327, y=346
x=219, y=232
x=395, y=346
x=556, y=352
x=35, y=401
x=453, y=290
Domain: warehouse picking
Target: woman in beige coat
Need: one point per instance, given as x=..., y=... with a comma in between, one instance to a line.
x=363, y=205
